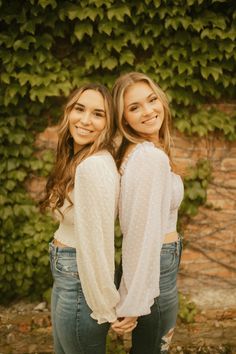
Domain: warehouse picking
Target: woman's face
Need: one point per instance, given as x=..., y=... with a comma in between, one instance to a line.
x=87, y=118
x=143, y=110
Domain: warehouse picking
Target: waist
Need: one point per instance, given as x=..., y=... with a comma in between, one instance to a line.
x=171, y=237
x=61, y=251
x=57, y=243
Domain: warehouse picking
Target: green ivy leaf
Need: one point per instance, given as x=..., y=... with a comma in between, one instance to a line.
x=127, y=57
x=110, y=63
x=81, y=29
x=118, y=12
x=24, y=43
x=5, y=77
x=105, y=27
x=45, y=3
x=215, y=72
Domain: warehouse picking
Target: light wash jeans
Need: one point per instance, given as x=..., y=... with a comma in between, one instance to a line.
x=154, y=331
x=74, y=331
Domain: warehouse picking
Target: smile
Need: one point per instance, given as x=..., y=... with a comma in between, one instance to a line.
x=150, y=121
x=82, y=131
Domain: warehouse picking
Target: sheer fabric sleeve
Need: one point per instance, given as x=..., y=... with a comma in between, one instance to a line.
x=95, y=194
x=144, y=209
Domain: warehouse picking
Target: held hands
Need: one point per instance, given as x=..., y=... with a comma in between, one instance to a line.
x=124, y=325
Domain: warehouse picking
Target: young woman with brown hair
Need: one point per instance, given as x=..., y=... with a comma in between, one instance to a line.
x=83, y=192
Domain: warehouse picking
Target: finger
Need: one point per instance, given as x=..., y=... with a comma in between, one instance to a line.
x=130, y=329
x=123, y=322
x=116, y=323
x=124, y=328
x=119, y=332
x=123, y=325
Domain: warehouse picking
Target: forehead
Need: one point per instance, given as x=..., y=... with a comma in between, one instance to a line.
x=91, y=98
x=137, y=92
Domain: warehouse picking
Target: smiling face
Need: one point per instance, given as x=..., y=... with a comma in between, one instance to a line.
x=87, y=119
x=143, y=110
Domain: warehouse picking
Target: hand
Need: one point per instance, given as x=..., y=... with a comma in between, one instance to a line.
x=124, y=325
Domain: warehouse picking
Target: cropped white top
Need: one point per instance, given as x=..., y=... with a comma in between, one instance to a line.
x=88, y=226
x=149, y=200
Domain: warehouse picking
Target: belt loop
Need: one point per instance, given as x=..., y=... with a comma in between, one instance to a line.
x=177, y=247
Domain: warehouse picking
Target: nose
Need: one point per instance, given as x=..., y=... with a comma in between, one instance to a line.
x=85, y=118
x=147, y=109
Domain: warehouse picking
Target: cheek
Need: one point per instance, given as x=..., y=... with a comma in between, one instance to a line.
x=72, y=119
x=100, y=125
x=130, y=118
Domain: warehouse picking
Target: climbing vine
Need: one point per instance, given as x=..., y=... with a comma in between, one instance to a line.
x=195, y=186
x=24, y=232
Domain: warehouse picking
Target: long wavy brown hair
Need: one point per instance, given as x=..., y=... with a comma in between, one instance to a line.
x=128, y=134
x=61, y=180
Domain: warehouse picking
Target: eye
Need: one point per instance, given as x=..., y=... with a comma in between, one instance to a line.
x=99, y=114
x=79, y=108
x=133, y=108
x=153, y=99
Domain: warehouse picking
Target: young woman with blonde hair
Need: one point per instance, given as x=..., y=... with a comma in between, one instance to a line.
x=151, y=192
x=83, y=192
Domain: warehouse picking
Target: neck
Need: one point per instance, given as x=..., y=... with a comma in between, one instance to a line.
x=77, y=148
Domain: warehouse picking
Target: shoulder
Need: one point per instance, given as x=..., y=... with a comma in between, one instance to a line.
x=147, y=153
x=97, y=164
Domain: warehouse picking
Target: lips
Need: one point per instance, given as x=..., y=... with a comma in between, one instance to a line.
x=149, y=121
x=83, y=131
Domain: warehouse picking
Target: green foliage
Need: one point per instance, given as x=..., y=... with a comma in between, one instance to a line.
x=187, y=309
x=209, y=120
x=49, y=47
x=195, y=186
x=115, y=345
x=24, y=232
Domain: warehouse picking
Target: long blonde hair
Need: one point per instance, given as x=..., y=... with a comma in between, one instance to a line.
x=128, y=134
x=61, y=180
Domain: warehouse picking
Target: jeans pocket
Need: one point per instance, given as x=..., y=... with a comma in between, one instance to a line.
x=66, y=266
x=168, y=260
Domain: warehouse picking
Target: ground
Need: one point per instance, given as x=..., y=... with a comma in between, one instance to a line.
x=25, y=328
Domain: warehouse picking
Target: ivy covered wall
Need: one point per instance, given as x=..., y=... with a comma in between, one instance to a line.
x=49, y=47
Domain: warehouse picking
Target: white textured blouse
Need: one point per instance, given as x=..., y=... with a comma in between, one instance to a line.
x=149, y=200
x=88, y=226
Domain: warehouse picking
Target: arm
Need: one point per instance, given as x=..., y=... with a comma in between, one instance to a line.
x=144, y=209
x=95, y=191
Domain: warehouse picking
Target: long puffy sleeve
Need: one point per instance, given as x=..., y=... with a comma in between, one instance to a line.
x=144, y=209
x=95, y=201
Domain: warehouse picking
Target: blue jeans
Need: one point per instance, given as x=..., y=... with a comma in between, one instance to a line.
x=74, y=330
x=154, y=331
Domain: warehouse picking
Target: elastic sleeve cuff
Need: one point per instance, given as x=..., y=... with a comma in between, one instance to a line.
x=105, y=317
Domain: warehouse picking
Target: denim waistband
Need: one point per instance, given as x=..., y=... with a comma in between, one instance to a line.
x=65, y=251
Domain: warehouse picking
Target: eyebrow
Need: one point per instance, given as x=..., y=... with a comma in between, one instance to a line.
x=96, y=109
x=153, y=93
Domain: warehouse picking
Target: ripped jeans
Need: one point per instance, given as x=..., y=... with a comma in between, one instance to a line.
x=154, y=331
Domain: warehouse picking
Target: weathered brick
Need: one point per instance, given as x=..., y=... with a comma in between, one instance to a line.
x=228, y=164
x=48, y=138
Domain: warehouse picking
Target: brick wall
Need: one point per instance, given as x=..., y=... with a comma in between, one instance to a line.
x=210, y=238
x=209, y=255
